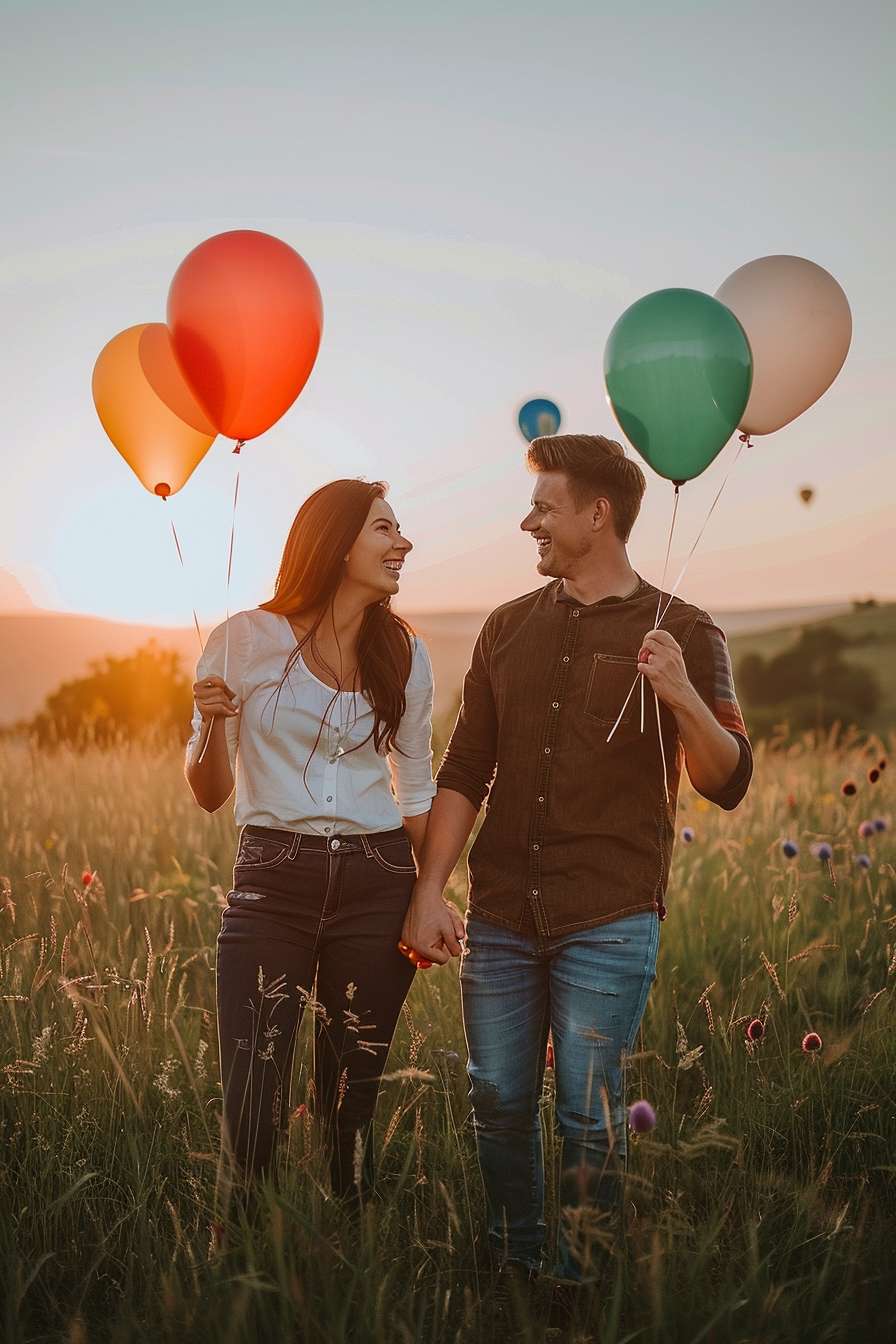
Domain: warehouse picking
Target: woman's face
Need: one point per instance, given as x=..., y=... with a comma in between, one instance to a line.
x=375, y=561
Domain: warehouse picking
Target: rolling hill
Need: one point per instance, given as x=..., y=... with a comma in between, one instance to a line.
x=41, y=649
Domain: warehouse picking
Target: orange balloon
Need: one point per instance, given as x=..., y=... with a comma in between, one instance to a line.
x=147, y=409
x=245, y=317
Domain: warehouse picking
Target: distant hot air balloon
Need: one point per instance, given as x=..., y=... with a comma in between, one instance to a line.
x=537, y=418
x=806, y=494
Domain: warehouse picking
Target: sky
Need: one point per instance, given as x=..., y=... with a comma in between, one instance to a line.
x=481, y=189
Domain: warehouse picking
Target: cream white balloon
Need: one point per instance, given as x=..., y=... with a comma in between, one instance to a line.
x=797, y=320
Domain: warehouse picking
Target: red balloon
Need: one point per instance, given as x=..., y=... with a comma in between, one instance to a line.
x=245, y=317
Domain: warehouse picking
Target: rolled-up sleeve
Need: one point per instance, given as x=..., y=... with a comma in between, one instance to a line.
x=468, y=766
x=709, y=668
x=226, y=654
x=410, y=760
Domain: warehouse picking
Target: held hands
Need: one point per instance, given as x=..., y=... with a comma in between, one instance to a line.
x=660, y=661
x=433, y=929
x=214, y=697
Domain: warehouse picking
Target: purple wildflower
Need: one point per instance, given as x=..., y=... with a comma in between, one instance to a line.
x=641, y=1117
x=822, y=851
x=866, y=829
x=811, y=1042
x=756, y=1030
x=863, y=861
x=686, y=834
x=880, y=824
x=790, y=848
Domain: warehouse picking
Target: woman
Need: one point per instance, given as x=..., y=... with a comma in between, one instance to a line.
x=323, y=698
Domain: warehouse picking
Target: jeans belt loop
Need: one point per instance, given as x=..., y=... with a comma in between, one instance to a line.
x=367, y=847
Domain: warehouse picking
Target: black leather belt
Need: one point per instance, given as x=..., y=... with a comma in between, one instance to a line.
x=334, y=844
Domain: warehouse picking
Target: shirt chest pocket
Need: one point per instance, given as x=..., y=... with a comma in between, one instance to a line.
x=610, y=682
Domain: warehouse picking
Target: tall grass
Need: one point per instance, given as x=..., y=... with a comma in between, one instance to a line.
x=762, y=1207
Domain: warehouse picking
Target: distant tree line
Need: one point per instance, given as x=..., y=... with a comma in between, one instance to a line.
x=810, y=685
x=144, y=695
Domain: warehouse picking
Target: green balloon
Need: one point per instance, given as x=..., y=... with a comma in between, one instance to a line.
x=678, y=371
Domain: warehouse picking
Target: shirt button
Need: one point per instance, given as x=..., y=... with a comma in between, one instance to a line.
x=326, y=830
x=575, y=613
x=541, y=799
x=547, y=751
x=329, y=798
x=534, y=891
x=556, y=704
x=566, y=659
x=535, y=846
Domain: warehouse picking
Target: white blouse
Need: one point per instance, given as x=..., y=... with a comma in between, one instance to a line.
x=291, y=751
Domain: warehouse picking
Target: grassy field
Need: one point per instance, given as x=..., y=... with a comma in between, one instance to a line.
x=763, y=1206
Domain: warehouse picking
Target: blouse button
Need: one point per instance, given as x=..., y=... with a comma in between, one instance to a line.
x=535, y=846
x=547, y=751
x=329, y=797
x=541, y=798
x=556, y=704
x=566, y=659
x=575, y=613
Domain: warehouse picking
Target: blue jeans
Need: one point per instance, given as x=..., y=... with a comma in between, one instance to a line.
x=589, y=989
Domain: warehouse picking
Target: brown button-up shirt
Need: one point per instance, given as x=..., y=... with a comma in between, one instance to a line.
x=578, y=829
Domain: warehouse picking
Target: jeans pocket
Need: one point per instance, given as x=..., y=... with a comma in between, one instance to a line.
x=235, y=898
x=259, y=851
x=395, y=857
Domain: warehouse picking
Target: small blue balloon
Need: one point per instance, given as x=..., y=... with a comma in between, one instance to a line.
x=537, y=418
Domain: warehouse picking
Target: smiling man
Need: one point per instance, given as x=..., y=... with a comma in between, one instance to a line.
x=569, y=870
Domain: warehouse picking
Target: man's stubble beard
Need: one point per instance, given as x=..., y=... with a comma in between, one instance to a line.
x=559, y=568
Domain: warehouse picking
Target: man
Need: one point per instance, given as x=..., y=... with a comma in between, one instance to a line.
x=569, y=870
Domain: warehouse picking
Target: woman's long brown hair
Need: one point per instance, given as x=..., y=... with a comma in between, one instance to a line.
x=324, y=530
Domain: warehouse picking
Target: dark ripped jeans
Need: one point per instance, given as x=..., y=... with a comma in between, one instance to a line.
x=589, y=989
x=311, y=922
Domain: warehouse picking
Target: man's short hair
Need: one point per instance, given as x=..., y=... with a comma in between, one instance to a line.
x=596, y=468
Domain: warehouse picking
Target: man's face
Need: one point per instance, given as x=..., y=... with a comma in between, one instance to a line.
x=563, y=535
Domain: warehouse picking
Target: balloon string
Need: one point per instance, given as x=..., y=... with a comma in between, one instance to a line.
x=744, y=440
x=205, y=733
x=236, y=491
x=180, y=557
x=638, y=675
x=668, y=553
x=659, y=729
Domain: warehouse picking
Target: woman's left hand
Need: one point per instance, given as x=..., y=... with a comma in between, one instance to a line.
x=660, y=660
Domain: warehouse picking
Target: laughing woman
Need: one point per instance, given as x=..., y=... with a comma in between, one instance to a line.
x=322, y=698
